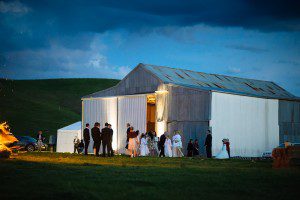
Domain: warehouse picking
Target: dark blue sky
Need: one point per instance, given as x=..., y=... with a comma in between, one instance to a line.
x=53, y=39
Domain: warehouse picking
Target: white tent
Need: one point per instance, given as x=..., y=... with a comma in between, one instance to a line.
x=65, y=137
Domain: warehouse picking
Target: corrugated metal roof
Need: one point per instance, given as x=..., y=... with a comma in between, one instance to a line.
x=243, y=86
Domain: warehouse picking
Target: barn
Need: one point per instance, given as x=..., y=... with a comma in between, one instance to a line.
x=255, y=115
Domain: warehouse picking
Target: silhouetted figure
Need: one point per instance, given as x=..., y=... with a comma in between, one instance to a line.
x=87, y=138
x=109, y=147
x=127, y=133
x=80, y=147
x=190, y=148
x=96, y=135
x=196, y=148
x=208, y=143
x=105, y=139
x=162, y=140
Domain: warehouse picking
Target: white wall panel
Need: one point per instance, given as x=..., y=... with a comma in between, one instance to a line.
x=250, y=123
x=131, y=109
x=65, y=139
x=101, y=110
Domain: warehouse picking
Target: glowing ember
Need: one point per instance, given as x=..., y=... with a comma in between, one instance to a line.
x=6, y=139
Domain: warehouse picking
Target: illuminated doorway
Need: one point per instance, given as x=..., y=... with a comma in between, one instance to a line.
x=151, y=111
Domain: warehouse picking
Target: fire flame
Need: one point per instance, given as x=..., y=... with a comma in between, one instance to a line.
x=6, y=138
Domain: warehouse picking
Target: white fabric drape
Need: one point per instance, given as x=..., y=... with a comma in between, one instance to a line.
x=250, y=124
x=131, y=109
x=101, y=110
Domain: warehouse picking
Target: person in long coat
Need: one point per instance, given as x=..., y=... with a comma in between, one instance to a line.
x=208, y=144
x=96, y=135
x=162, y=140
x=86, y=138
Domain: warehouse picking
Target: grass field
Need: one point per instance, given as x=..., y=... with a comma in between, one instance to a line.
x=66, y=176
x=30, y=105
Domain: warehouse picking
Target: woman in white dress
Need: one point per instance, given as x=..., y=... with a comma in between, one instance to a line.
x=144, y=151
x=177, y=145
x=168, y=147
x=156, y=143
x=223, y=153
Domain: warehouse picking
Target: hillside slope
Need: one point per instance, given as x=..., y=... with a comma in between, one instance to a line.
x=31, y=105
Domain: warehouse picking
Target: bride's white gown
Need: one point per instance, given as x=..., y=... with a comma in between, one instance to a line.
x=144, y=151
x=223, y=154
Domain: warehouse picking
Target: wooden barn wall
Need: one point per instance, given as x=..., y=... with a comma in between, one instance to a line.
x=190, y=105
x=139, y=81
x=289, y=121
x=190, y=130
x=188, y=111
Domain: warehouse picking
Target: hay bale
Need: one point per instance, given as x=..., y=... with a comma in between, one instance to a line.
x=286, y=157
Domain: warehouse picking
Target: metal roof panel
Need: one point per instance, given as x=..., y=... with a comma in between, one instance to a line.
x=243, y=86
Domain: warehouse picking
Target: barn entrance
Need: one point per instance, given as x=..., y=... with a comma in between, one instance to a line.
x=151, y=110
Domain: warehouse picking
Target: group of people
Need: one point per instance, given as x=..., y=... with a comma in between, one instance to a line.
x=103, y=136
x=145, y=144
x=148, y=144
x=193, y=148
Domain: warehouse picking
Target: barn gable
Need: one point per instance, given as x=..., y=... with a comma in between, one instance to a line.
x=138, y=81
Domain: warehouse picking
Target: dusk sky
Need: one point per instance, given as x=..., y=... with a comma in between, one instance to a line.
x=106, y=39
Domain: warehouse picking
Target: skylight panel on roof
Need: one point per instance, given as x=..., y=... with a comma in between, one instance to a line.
x=187, y=74
x=179, y=75
x=168, y=77
x=252, y=87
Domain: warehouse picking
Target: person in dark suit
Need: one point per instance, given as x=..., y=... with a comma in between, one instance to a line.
x=190, y=148
x=127, y=133
x=105, y=139
x=86, y=138
x=96, y=135
x=109, y=147
x=208, y=144
x=162, y=140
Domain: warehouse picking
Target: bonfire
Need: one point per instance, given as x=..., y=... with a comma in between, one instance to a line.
x=6, y=140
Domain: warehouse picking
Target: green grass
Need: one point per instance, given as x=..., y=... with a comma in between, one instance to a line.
x=66, y=176
x=30, y=105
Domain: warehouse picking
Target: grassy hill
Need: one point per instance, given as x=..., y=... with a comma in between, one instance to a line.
x=31, y=105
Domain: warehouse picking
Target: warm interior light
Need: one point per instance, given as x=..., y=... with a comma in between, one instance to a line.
x=161, y=91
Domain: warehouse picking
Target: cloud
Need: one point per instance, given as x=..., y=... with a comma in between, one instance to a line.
x=234, y=70
x=289, y=62
x=13, y=7
x=247, y=48
x=59, y=61
x=66, y=21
